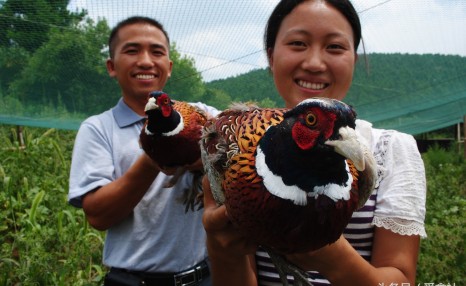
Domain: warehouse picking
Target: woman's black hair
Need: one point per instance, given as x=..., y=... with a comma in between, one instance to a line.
x=285, y=7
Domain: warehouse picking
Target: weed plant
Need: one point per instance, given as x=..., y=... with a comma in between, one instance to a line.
x=44, y=241
x=442, y=258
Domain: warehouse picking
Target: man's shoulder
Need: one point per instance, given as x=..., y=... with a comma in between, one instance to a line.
x=103, y=118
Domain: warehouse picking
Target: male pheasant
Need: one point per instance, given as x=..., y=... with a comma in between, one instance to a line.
x=170, y=137
x=290, y=179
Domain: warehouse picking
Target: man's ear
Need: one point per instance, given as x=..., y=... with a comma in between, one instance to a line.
x=110, y=67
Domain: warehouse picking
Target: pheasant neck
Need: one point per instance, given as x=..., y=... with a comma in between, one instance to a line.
x=165, y=126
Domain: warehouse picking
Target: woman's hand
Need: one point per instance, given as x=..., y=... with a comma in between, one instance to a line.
x=393, y=261
x=231, y=254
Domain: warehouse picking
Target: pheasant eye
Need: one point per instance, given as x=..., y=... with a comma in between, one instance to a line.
x=166, y=101
x=311, y=119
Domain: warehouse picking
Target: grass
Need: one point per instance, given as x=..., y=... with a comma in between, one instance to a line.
x=44, y=241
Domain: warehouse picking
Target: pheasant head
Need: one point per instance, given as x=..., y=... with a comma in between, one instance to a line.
x=162, y=117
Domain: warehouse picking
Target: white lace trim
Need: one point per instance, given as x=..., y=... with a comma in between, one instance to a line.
x=400, y=226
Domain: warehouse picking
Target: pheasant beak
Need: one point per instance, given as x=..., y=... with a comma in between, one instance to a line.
x=151, y=104
x=349, y=147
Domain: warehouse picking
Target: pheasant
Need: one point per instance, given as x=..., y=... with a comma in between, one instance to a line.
x=290, y=179
x=170, y=137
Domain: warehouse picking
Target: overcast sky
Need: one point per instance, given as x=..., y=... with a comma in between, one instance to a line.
x=224, y=37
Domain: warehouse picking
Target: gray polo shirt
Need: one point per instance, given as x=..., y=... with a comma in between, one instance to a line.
x=158, y=236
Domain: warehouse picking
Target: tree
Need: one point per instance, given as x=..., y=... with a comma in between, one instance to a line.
x=24, y=27
x=12, y=61
x=217, y=98
x=69, y=70
x=26, y=23
x=185, y=82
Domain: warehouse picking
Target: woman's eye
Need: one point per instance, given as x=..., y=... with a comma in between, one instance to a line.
x=335, y=47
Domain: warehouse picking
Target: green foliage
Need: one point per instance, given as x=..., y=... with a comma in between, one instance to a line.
x=25, y=27
x=442, y=257
x=407, y=92
x=217, y=98
x=65, y=75
x=256, y=86
x=44, y=241
x=185, y=83
x=68, y=71
x=12, y=61
x=30, y=21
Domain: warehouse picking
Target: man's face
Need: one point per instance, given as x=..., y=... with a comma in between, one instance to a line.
x=141, y=61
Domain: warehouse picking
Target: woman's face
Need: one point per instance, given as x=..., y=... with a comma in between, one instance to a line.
x=313, y=54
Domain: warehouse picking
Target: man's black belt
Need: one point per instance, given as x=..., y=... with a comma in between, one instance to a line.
x=190, y=277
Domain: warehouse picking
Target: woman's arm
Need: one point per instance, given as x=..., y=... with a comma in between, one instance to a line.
x=394, y=259
x=231, y=254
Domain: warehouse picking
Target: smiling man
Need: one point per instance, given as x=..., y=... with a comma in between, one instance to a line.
x=149, y=237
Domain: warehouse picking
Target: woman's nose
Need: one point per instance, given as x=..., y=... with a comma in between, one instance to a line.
x=314, y=61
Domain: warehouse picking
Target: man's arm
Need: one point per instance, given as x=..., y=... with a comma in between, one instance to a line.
x=110, y=204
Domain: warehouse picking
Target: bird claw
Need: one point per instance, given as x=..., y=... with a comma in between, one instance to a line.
x=286, y=268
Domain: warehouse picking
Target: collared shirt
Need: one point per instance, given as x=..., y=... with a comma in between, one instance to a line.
x=158, y=236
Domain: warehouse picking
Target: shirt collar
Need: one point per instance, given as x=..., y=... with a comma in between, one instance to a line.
x=124, y=115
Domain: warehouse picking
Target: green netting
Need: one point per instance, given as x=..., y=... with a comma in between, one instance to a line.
x=53, y=52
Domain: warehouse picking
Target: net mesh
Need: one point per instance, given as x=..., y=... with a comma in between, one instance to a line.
x=53, y=52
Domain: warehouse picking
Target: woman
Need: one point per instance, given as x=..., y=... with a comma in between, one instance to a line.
x=311, y=47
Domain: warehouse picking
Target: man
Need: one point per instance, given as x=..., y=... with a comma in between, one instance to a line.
x=149, y=237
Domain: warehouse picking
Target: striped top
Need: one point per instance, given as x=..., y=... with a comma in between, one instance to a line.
x=359, y=234
x=360, y=230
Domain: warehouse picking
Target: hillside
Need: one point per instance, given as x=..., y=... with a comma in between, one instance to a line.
x=391, y=90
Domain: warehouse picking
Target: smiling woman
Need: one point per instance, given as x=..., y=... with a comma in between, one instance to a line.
x=311, y=46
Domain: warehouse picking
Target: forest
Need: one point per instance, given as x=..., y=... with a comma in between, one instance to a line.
x=56, y=70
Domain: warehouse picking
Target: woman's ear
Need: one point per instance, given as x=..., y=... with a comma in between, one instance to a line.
x=270, y=57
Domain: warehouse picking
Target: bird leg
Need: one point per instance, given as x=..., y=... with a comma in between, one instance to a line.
x=174, y=178
x=284, y=267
